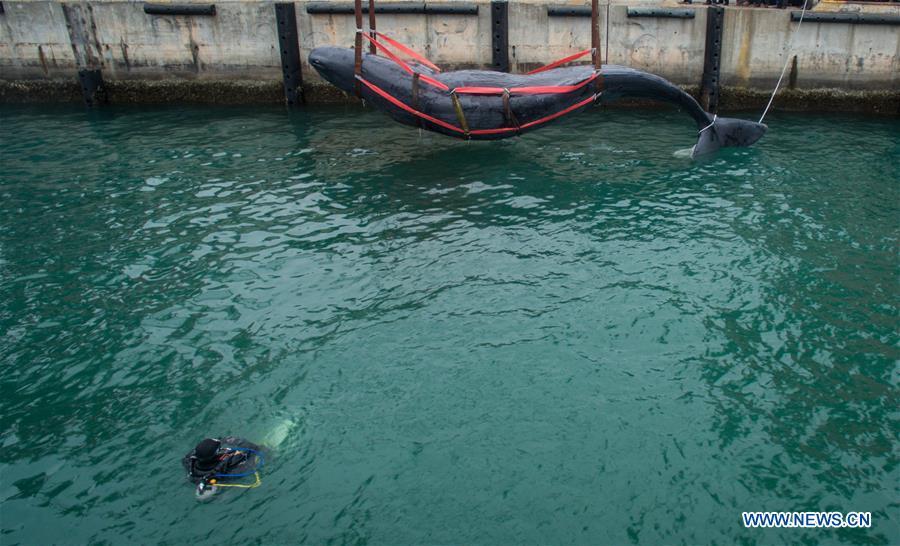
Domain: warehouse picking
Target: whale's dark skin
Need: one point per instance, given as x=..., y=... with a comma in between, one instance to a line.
x=336, y=64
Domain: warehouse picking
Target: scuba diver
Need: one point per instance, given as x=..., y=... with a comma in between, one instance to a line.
x=215, y=463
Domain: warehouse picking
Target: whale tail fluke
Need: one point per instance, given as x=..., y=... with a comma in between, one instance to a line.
x=723, y=132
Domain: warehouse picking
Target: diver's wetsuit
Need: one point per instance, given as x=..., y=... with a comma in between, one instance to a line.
x=228, y=460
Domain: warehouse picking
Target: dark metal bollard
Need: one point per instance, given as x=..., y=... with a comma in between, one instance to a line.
x=712, y=59
x=289, y=46
x=500, y=35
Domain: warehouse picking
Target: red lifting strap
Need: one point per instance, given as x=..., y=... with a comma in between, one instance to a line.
x=561, y=62
x=562, y=112
x=398, y=60
x=408, y=51
x=450, y=127
x=399, y=104
x=535, y=90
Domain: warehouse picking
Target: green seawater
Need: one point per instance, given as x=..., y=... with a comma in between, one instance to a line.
x=575, y=337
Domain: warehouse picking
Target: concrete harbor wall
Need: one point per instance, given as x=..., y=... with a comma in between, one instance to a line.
x=44, y=44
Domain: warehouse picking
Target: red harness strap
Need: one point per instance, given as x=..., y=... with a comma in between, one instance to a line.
x=450, y=127
x=561, y=62
x=399, y=104
x=464, y=130
x=408, y=51
x=562, y=112
x=390, y=55
x=535, y=90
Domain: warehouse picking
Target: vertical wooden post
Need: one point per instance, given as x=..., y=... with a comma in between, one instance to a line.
x=357, y=64
x=372, y=25
x=606, y=36
x=595, y=34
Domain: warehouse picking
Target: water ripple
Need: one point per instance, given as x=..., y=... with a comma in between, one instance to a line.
x=576, y=337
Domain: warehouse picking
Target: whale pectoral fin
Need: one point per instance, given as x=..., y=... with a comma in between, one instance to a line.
x=727, y=132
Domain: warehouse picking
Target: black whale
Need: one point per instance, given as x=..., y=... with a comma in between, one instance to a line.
x=489, y=112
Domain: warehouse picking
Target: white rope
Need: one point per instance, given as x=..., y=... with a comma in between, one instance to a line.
x=787, y=59
x=713, y=122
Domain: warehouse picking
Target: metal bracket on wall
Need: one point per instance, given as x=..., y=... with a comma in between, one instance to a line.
x=662, y=13
x=848, y=18
x=500, y=35
x=405, y=8
x=289, y=45
x=569, y=11
x=712, y=59
x=180, y=9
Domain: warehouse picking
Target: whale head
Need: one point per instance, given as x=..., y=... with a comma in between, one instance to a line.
x=335, y=64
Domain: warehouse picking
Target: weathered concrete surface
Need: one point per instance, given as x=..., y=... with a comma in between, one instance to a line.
x=536, y=39
x=448, y=40
x=238, y=43
x=44, y=43
x=672, y=48
x=34, y=42
x=829, y=55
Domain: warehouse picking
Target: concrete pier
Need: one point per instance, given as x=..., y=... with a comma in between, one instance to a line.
x=50, y=49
